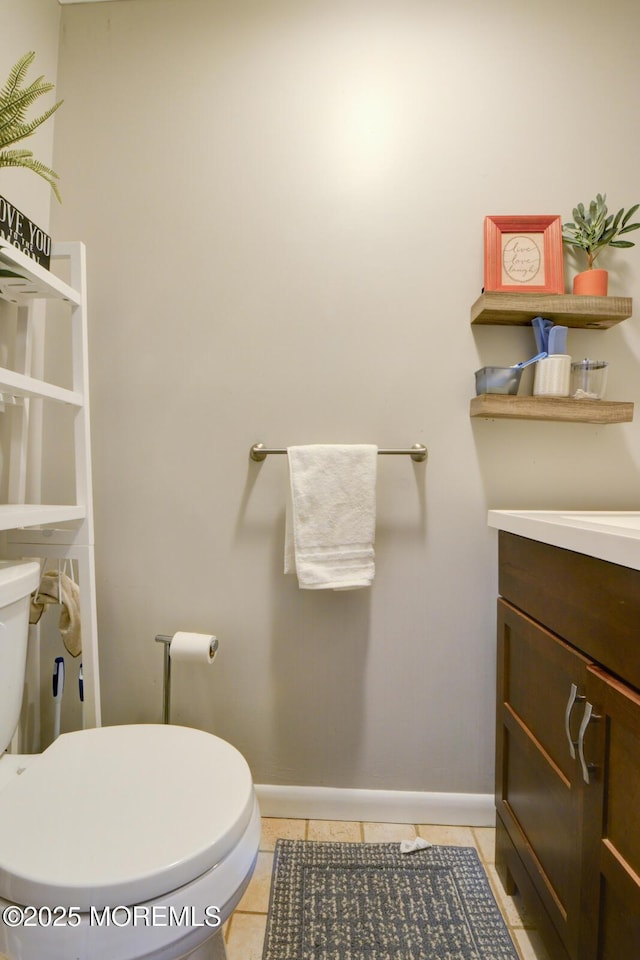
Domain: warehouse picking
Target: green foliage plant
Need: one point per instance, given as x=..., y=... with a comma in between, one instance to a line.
x=594, y=229
x=15, y=100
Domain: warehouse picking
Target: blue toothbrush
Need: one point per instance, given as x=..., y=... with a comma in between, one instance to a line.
x=541, y=327
x=525, y=363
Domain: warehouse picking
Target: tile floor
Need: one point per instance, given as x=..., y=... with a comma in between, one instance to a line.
x=244, y=932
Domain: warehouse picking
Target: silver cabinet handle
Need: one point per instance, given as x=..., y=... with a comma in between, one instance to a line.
x=588, y=716
x=573, y=697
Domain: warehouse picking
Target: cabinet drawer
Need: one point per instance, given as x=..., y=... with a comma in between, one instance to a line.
x=538, y=791
x=592, y=604
x=536, y=673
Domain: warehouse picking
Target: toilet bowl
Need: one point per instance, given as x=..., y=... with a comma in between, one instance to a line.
x=120, y=843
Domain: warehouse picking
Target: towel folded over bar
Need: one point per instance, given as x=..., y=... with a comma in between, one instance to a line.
x=331, y=515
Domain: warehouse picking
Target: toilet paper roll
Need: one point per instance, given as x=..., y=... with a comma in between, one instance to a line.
x=193, y=647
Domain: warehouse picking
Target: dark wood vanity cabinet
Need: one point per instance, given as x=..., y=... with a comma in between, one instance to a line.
x=538, y=790
x=610, y=924
x=568, y=747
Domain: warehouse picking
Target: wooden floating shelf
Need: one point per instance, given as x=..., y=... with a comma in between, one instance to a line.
x=503, y=406
x=567, y=309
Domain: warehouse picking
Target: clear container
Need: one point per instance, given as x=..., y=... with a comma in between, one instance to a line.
x=588, y=379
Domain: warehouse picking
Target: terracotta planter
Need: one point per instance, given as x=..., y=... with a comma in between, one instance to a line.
x=591, y=283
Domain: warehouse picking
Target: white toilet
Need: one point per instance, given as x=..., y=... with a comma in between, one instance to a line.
x=116, y=843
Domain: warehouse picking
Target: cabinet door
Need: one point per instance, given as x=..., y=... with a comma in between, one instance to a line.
x=610, y=749
x=538, y=780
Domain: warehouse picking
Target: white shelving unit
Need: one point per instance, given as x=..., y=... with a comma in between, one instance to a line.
x=34, y=529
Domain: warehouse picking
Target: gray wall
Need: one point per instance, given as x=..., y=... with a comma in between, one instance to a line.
x=283, y=206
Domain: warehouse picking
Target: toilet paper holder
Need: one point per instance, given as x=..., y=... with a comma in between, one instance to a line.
x=166, y=682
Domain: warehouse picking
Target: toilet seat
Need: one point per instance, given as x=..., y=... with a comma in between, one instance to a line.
x=94, y=939
x=66, y=840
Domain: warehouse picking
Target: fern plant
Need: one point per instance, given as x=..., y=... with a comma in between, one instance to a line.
x=15, y=100
x=594, y=229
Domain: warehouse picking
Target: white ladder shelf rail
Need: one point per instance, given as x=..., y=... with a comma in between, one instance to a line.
x=30, y=528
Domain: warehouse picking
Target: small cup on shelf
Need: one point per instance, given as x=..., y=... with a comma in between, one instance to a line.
x=588, y=379
x=553, y=376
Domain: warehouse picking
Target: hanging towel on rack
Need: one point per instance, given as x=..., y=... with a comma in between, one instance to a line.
x=331, y=515
x=59, y=588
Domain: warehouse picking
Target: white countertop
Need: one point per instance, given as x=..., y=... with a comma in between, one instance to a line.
x=607, y=535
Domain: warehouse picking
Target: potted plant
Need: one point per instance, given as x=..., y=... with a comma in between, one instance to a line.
x=592, y=230
x=15, y=100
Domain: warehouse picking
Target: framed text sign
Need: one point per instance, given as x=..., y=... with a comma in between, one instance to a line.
x=523, y=254
x=19, y=231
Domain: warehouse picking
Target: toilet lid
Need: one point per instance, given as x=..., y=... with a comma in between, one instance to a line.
x=120, y=815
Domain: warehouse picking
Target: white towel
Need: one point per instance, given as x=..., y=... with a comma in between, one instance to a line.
x=331, y=515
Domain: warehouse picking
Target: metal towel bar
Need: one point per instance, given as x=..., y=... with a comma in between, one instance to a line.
x=417, y=452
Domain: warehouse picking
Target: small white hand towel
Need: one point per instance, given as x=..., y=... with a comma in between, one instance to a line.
x=331, y=515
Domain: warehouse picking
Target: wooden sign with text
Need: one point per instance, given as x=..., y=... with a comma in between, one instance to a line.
x=18, y=230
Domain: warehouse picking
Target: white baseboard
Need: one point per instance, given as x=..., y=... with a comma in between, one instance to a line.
x=377, y=806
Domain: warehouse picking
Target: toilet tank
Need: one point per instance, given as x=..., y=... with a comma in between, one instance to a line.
x=18, y=579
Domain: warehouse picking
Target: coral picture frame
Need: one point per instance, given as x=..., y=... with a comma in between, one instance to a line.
x=523, y=254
